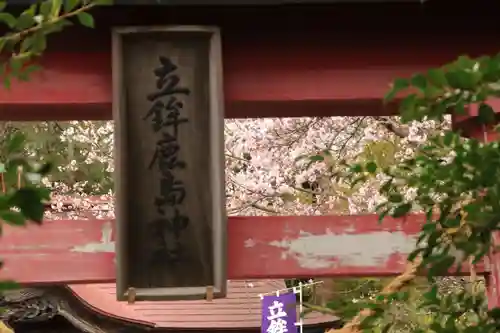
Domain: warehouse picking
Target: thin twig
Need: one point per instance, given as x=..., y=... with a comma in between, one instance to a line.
x=21, y=34
x=320, y=309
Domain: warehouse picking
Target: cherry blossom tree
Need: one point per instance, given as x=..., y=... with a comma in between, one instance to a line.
x=269, y=171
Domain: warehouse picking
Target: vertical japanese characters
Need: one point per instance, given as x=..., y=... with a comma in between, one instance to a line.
x=279, y=314
x=277, y=318
x=165, y=117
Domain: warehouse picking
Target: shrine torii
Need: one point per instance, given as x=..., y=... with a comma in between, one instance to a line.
x=278, y=62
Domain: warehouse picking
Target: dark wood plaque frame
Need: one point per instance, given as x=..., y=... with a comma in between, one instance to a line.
x=130, y=266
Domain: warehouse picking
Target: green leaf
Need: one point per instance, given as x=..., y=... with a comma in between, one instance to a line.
x=25, y=21
x=371, y=167
x=55, y=9
x=402, y=296
x=460, y=108
x=45, y=10
x=395, y=198
x=313, y=159
x=29, y=201
x=27, y=71
x=432, y=92
x=407, y=108
x=442, y=266
x=45, y=169
x=69, y=5
x=387, y=185
x=486, y=113
x=31, y=10
x=103, y=2
x=26, y=43
x=414, y=254
x=356, y=168
x=431, y=295
x=397, y=86
x=368, y=322
x=436, y=327
x=3, y=4
x=23, y=77
x=382, y=215
x=437, y=77
x=448, y=138
x=16, y=142
x=39, y=42
x=429, y=227
x=401, y=210
x=15, y=64
x=9, y=285
x=419, y=81
x=460, y=79
x=12, y=218
x=6, y=81
x=386, y=328
x=3, y=42
x=44, y=193
x=8, y=19
x=316, y=158
x=85, y=19
x=495, y=313
x=452, y=222
x=32, y=68
x=465, y=62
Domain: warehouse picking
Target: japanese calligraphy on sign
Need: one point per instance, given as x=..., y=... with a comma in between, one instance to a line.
x=170, y=162
x=279, y=314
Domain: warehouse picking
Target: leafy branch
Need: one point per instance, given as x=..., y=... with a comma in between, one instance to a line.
x=23, y=197
x=455, y=181
x=28, y=38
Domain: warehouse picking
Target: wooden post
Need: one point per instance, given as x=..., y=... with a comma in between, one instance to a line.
x=167, y=107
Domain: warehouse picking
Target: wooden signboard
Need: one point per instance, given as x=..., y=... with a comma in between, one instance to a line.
x=169, y=137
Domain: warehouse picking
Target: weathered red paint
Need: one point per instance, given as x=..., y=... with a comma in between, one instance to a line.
x=354, y=245
x=257, y=82
x=82, y=251
x=311, y=62
x=261, y=79
x=43, y=254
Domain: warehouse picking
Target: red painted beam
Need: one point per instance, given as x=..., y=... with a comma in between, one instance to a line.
x=266, y=77
x=82, y=251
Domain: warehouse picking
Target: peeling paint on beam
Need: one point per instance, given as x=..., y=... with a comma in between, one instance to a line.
x=58, y=252
x=332, y=250
x=321, y=246
x=106, y=243
x=82, y=251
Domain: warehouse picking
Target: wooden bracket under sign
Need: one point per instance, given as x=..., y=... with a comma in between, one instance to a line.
x=131, y=295
x=210, y=293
